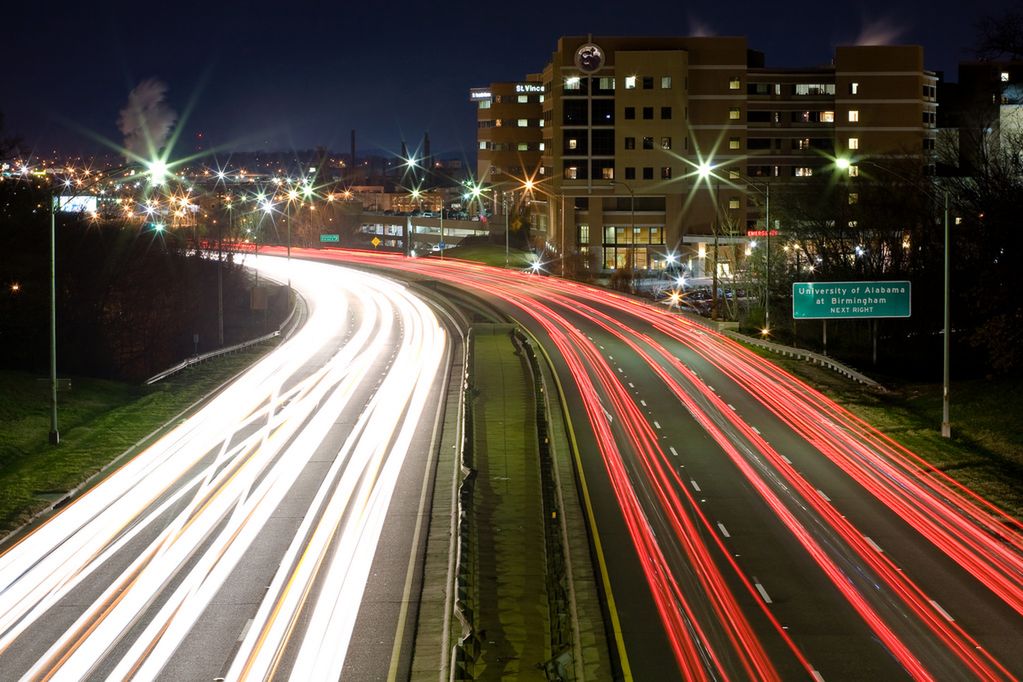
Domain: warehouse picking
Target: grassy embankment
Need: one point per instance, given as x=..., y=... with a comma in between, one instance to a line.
x=98, y=421
x=986, y=449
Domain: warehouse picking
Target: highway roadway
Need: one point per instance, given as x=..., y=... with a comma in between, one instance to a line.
x=750, y=528
x=274, y=533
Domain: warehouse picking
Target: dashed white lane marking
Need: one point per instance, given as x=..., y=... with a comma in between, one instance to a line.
x=755, y=430
x=724, y=531
x=656, y=424
x=817, y=676
x=942, y=611
x=731, y=407
x=245, y=629
x=877, y=548
x=821, y=493
x=696, y=486
x=632, y=385
x=762, y=591
x=673, y=451
x=619, y=369
x=787, y=460
x=711, y=388
x=643, y=403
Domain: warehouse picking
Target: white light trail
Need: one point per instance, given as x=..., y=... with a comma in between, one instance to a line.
x=223, y=473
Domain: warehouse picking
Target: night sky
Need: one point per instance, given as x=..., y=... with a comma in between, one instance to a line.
x=294, y=75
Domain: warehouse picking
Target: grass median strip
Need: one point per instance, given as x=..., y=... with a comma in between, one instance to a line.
x=98, y=420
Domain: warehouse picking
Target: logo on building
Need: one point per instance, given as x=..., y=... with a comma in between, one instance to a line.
x=589, y=58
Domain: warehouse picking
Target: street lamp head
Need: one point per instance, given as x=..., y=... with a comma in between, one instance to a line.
x=842, y=163
x=704, y=169
x=528, y=185
x=157, y=171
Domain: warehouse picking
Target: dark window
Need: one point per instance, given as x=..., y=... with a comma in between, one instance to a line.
x=630, y=143
x=648, y=173
x=602, y=142
x=630, y=113
x=665, y=172
x=648, y=143
x=630, y=173
x=758, y=116
x=582, y=203
x=575, y=112
x=603, y=112
x=758, y=143
x=666, y=113
x=648, y=82
x=666, y=143
x=648, y=113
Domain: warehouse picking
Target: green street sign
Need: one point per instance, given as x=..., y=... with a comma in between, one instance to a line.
x=849, y=300
x=330, y=238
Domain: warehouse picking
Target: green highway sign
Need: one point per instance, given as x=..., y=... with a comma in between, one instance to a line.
x=849, y=300
x=332, y=238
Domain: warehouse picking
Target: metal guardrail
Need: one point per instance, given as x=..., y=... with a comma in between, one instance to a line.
x=788, y=351
x=198, y=359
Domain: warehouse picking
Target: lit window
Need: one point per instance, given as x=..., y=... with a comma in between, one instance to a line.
x=522, y=99
x=542, y=146
x=1005, y=76
x=827, y=117
x=854, y=115
x=805, y=171
x=607, y=173
x=571, y=172
x=665, y=143
x=854, y=88
x=666, y=173
x=523, y=146
x=733, y=173
x=523, y=122
x=733, y=114
x=606, y=83
x=541, y=99
x=540, y=121
x=665, y=82
x=572, y=83
x=630, y=82
x=573, y=143
x=854, y=143
x=854, y=171
x=498, y=122
x=483, y=144
x=733, y=203
x=733, y=143
x=584, y=234
x=734, y=84
x=484, y=104
x=803, y=144
x=854, y=197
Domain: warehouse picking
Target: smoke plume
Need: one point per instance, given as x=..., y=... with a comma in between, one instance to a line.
x=146, y=120
x=881, y=31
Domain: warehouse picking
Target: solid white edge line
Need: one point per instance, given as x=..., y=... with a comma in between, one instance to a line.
x=821, y=493
x=762, y=591
x=877, y=548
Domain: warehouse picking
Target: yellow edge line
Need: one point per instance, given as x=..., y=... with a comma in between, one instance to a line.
x=613, y=610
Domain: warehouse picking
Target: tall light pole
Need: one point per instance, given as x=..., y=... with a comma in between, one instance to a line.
x=844, y=164
x=766, y=192
x=157, y=171
x=705, y=170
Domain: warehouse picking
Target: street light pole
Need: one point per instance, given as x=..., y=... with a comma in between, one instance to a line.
x=54, y=431
x=946, y=427
x=504, y=207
